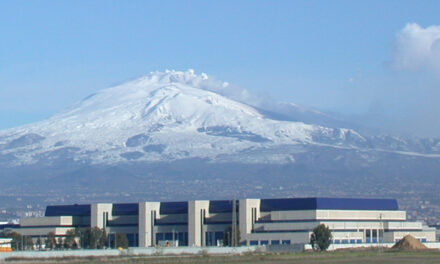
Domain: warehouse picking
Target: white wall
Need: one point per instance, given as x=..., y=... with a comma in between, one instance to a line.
x=245, y=216
x=97, y=211
x=195, y=222
x=47, y=221
x=146, y=222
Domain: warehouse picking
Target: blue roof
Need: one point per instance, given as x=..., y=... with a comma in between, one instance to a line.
x=288, y=204
x=221, y=206
x=5, y=226
x=125, y=209
x=173, y=208
x=68, y=210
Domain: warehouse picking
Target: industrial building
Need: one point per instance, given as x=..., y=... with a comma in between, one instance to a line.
x=259, y=221
x=5, y=245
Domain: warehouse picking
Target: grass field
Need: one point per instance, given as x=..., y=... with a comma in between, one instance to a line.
x=303, y=258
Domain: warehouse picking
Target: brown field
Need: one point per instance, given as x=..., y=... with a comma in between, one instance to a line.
x=363, y=257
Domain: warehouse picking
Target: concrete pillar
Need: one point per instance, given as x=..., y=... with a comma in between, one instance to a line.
x=148, y=212
x=99, y=212
x=246, y=220
x=197, y=211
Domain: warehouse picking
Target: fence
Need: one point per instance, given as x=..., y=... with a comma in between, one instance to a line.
x=82, y=253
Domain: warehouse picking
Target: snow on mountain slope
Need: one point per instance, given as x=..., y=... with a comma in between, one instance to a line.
x=162, y=116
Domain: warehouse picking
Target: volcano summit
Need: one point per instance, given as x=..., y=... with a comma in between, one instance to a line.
x=163, y=116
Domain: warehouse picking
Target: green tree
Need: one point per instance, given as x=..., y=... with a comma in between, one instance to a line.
x=17, y=242
x=60, y=243
x=321, y=237
x=28, y=242
x=39, y=243
x=69, y=240
x=95, y=237
x=228, y=239
x=50, y=242
x=121, y=240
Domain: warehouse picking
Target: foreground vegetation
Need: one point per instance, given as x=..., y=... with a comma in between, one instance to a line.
x=361, y=257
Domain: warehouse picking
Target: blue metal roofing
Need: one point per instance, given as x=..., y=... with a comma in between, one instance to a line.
x=125, y=209
x=173, y=208
x=68, y=210
x=221, y=206
x=5, y=226
x=288, y=204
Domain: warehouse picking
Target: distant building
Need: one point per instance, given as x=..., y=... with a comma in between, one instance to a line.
x=5, y=245
x=259, y=221
x=437, y=231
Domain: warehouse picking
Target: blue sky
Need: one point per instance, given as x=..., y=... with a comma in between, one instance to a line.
x=357, y=58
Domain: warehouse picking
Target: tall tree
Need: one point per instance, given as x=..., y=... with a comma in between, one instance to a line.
x=39, y=243
x=28, y=242
x=95, y=237
x=121, y=240
x=17, y=242
x=321, y=237
x=50, y=242
x=69, y=240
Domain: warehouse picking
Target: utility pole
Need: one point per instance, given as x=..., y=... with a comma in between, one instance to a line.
x=381, y=229
x=234, y=223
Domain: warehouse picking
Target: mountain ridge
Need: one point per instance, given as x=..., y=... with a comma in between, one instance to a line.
x=167, y=115
x=174, y=115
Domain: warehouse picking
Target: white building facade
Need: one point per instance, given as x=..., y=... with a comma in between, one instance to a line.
x=258, y=221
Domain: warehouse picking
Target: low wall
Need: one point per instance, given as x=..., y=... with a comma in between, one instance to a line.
x=431, y=245
x=171, y=251
x=293, y=248
x=131, y=252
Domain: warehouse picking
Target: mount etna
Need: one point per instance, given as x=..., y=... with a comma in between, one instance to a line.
x=175, y=135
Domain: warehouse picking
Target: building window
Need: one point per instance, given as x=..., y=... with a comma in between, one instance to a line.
x=214, y=238
x=264, y=242
x=274, y=242
x=159, y=237
x=380, y=236
x=359, y=241
x=374, y=236
x=352, y=241
x=183, y=238
x=253, y=243
x=165, y=238
x=285, y=242
x=132, y=240
x=104, y=219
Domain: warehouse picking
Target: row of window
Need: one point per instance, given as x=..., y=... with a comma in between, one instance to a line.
x=214, y=239
x=423, y=240
x=181, y=237
x=347, y=241
x=266, y=242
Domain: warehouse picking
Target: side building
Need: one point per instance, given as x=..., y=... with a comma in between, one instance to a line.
x=259, y=221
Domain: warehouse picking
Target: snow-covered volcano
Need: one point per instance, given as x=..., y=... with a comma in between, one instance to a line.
x=163, y=116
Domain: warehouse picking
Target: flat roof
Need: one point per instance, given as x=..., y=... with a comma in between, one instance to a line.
x=291, y=204
x=125, y=209
x=68, y=210
x=224, y=206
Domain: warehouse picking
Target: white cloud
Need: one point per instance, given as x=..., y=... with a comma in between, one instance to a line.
x=417, y=48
